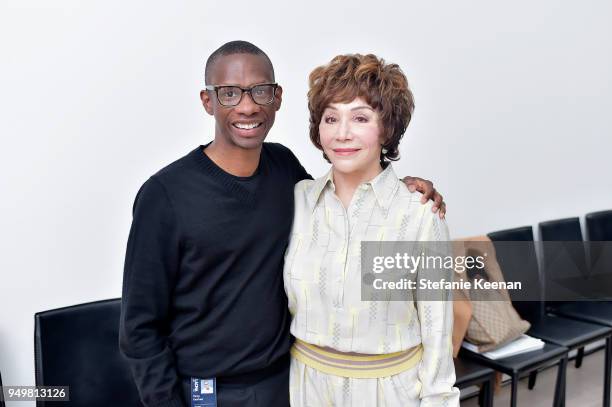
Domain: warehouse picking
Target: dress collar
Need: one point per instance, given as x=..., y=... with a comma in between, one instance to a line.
x=384, y=186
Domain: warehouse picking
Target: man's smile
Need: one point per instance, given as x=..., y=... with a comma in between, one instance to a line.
x=247, y=125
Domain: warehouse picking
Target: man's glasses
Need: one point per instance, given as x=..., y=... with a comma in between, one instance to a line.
x=232, y=95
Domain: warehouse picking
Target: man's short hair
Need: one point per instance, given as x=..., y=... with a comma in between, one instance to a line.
x=382, y=85
x=231, y=48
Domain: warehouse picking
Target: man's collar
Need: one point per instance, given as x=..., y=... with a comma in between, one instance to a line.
x=384, y=186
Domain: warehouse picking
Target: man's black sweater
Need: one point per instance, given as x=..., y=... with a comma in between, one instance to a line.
x=203, y=284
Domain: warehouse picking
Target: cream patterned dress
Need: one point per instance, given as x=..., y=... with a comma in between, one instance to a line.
x=323, y=283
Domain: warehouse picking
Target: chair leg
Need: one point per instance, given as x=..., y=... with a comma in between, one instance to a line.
x=485, y=395
x=559, y=400
x=564, y=387
x=514, y=391
x=607, y=372
x=579, y=357
x=532, y=379
x=489, y=391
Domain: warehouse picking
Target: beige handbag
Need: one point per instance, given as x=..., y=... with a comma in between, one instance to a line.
x=494, y=320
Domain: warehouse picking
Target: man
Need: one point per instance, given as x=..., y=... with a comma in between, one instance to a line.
x=203, y=295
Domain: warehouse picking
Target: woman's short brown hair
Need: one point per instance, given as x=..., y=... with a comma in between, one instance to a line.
x=383, y=86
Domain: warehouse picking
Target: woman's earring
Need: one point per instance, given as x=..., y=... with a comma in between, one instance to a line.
x=384, y=150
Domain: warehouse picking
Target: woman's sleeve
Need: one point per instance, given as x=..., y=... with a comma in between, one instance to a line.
x=435, y=310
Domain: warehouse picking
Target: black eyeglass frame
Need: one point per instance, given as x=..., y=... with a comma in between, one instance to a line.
x=216, y=88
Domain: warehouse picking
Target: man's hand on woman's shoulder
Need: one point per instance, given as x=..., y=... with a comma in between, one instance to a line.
x=426, y=187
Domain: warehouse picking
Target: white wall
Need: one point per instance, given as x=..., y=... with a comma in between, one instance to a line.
x=513, y=118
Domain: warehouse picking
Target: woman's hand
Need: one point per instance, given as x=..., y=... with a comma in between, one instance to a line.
x=429, y=192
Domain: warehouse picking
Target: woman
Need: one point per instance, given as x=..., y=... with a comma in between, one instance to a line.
x=350, y=352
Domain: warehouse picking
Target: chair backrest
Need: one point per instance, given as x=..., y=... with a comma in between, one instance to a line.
x=599, y=225
x=565, y=258
x=78, y=346
x=566, y=261
x=518, y=261
x=599, y=230
x=561, y=230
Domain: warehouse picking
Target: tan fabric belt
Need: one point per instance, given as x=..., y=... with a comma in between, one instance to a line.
x=356, y=365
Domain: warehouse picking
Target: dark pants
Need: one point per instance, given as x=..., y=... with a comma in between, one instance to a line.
x=266, y=388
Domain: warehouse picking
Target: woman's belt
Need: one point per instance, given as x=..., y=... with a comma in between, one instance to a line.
x=356, y=365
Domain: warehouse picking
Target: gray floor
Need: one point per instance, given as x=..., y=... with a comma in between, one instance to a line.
x=584, y=386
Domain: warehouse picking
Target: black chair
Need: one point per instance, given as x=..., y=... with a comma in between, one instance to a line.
x=470, y=373
x=512, y=259
x=597, y=312
x=78, y=346
x=519, y=365
x=568, y=230
x=519, y=262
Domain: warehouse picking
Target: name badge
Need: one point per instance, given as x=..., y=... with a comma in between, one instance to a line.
x=203, y=392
